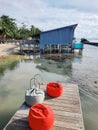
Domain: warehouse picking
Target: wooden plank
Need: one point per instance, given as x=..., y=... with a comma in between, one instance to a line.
x=67, y=110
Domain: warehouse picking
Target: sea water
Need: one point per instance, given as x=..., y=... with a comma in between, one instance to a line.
x=15, y=75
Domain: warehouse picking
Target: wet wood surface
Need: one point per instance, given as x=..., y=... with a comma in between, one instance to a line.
x=67, y=110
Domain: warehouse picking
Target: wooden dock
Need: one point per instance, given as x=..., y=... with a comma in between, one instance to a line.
x=67, y=110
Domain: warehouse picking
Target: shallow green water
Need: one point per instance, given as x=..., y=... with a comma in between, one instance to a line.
x=82, y=69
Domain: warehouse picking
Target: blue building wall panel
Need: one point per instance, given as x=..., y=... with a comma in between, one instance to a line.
x=58, y=36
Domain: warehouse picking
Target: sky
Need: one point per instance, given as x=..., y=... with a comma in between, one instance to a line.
x=51, y=14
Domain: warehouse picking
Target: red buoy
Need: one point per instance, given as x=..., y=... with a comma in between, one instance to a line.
x=54, y=89
x=41, y=117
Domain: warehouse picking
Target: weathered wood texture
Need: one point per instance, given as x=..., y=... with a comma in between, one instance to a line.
x=67, y=109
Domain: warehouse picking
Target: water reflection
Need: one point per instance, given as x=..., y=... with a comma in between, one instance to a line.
x=4, y=94
x=13, y=65
x=8, y=63
x=77, y=58
x=2, y=71
x=63, y=67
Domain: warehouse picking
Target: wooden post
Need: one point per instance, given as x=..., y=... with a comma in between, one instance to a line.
x=21, y=51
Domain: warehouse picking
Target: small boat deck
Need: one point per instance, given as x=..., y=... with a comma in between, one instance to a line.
x=67, y=110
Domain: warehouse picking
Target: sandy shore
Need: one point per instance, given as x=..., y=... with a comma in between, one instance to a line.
x=10, y=48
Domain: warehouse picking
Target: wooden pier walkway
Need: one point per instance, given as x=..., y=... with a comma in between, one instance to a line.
x=67, y=110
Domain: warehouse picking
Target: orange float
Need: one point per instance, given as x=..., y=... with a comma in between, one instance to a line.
x=41, y=117
x=54, y=89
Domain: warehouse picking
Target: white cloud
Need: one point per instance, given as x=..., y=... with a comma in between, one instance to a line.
x=83, y=5
x=50, y=14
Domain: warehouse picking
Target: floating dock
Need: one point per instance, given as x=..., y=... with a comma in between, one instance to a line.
x=67, y=110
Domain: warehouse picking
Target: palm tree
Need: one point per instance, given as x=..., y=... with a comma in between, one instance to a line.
x=34, y=30
x=24, y=32
x=8, y=27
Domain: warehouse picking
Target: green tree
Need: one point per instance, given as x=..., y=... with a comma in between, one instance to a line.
x=34, y=30
x=24, y=32
x=8, y=27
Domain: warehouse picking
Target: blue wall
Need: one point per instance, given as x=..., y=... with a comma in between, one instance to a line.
x=58, y=36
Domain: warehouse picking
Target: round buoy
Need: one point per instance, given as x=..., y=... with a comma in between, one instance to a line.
x=54, y=89
x=41, y=117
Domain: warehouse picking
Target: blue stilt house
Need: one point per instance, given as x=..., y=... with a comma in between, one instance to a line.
x=57, y=38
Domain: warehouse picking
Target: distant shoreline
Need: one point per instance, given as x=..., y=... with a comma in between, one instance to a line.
x=85, y=41
x=92, y=43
